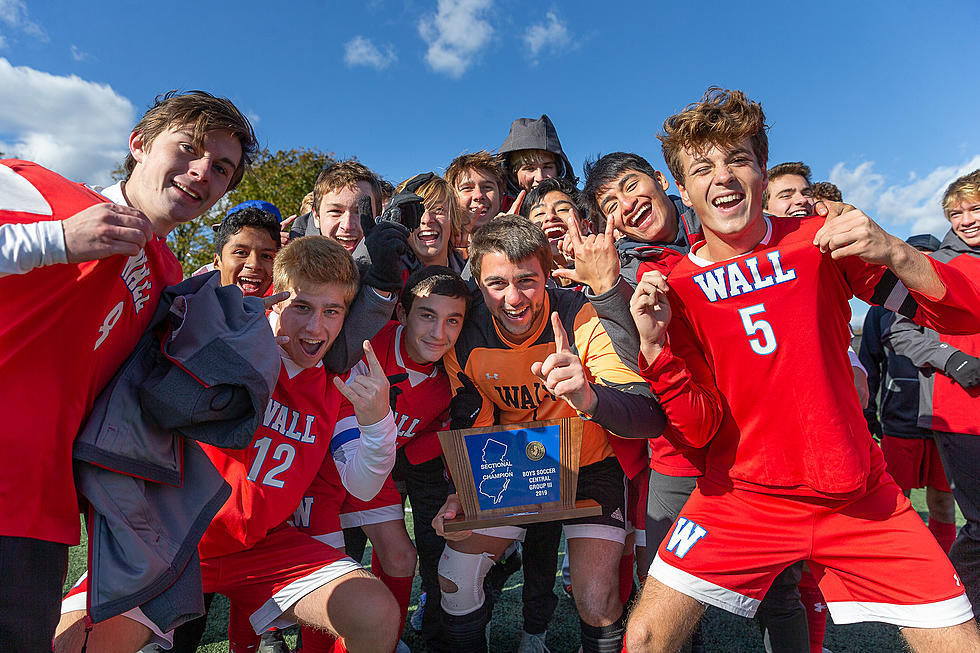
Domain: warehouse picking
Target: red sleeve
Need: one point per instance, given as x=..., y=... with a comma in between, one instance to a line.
x=682, y=381
x=955, y=312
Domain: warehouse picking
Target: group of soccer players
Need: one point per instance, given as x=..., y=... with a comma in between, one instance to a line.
x=702, y=338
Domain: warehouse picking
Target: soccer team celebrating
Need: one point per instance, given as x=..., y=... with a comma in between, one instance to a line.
x=703, y=339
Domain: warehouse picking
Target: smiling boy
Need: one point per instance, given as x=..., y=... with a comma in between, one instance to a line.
x=430, y=317
x=242, y=550
x=86, y=271
x=755, y=363
x=245, y=246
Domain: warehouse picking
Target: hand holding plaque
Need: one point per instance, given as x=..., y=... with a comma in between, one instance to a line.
x=514, y=474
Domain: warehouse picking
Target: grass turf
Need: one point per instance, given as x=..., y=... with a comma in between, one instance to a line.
x=723, y=632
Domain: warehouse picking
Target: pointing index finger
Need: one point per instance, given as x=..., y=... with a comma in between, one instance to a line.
x=561, y=337
x=272, y=300
x=515, y=208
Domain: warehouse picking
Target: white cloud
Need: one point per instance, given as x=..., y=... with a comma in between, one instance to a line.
x=72, y=126
x=360, y=51
x=13, y=13
x=903, y=208
x=551, y=35
x=78, y=54
x=456, y=34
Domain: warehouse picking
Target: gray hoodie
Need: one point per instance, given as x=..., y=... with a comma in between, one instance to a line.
x=534, y=134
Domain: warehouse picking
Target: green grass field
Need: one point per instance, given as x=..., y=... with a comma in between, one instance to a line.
x=722, y=632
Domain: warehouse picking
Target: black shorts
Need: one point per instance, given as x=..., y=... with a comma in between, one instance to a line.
x=32, y=575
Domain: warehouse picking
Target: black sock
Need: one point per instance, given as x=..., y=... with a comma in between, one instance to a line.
x=603, y=639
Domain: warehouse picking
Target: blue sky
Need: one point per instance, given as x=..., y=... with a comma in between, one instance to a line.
x=880, y=97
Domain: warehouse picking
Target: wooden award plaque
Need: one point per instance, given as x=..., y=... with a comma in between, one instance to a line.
x=516, y=473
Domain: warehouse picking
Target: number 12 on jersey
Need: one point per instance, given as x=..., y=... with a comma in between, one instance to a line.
x=761, y=337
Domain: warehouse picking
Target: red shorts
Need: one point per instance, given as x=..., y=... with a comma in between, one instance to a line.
x=636, y=506
x=872, y=556
x=914, y=462
x=275, y=574
x=386, y=506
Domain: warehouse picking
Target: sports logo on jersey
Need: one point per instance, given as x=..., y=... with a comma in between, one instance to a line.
x=406, y=425
x=134, y=275
x=282, y=419
x=685, y=535
x=301, y=517
x=732, y=280
x=522, y=397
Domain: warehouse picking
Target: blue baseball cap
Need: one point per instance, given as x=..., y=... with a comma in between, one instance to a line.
x=256, y=204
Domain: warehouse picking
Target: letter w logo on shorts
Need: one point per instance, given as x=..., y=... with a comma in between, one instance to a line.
x=685, y=535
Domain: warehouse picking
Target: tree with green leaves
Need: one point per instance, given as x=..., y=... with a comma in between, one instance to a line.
x=282, y=177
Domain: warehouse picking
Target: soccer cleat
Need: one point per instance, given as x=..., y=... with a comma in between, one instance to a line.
x=533, y=643
x=416, y=620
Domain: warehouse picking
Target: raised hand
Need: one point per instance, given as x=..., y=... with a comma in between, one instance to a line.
x=651, y=312
x=563, y=374
x=419, y=180
x=515, y=208
x=405, y=208
x=596, y=258
x=386, y=241
x=367, y=393
x=284, y=230
x=465, y=404
x=105, y=230
x=852, y=233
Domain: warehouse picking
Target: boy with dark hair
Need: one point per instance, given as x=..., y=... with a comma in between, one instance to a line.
x=243, y=553
x=430, y=316
x=825, y=190
x=97, y=263
x=532, y=153
x=765, y=301
x=789, y=192
x=245, y=246
x=335, y=193
x=949, y=379
x=628, y=194
x=528, y=352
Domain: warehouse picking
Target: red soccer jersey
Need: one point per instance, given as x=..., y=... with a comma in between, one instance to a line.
x=421, y=407
x=64, y=331
x=289, y=450
x=771, y=327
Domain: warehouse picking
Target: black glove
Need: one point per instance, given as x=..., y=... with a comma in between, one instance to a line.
x=415, y=183
x=394, y=390
x=964, y=369
x=386, y=243
x=406, y=209
x=465, y=404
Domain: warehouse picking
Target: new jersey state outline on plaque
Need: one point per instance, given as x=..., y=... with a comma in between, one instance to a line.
x=495, y=459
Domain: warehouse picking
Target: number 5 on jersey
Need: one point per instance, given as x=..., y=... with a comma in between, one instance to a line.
x=761, y=337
